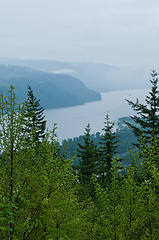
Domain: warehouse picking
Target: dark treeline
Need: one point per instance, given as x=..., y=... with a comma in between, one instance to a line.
x=43, y=195
x=125, y=136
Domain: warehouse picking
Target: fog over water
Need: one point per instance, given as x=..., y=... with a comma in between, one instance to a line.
x=71, y=121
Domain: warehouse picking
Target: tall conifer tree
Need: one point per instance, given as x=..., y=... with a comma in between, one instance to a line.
x=147, y=118
x=109, y=144
x=89, y=155
x=35, y=124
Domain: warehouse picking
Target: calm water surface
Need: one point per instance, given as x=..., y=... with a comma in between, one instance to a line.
x=71, y=121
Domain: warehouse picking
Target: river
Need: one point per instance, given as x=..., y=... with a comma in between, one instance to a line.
x=71, y=121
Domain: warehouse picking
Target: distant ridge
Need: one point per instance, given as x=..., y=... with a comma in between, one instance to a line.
x=53, y=90
x=96, y=76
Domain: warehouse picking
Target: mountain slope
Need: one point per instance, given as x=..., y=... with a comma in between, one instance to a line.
x=98, y=77
x=54, y=90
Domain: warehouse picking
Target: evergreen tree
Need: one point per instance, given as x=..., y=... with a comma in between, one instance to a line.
x=109, y=144
x=147, y=118
x=35, y=124
x=89, y=156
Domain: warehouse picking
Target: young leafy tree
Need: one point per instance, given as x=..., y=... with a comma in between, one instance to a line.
x=109, y=144
x=129, y=209
x=147, y=118
x=11, y=142
x=37, y=189
x=89, y=157
x=108, y=217
x=139, y=199
x=35, y=124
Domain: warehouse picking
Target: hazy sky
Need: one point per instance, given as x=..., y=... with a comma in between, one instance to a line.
x=118, y=32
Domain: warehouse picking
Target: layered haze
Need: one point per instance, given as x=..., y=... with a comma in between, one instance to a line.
x=104, y=45
x=98, y=77
x=115, y=32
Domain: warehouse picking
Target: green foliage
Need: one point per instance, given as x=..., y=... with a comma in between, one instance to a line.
x=35, y=124
x=38, y=196
x=109, y=144
x=125, y=135
x=42, y=197
x=88, y=157
x=147, y=118
x=129, y=208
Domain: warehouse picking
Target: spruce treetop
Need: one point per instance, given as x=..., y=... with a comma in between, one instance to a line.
x=35, y=123
x=146, y=122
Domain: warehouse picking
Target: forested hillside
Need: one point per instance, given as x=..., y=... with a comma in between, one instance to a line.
x=54, y=90
x=126, y=138
x=98, y=77
x=44, y=196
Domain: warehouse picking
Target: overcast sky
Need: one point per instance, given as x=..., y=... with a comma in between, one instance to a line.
x=116, y=32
